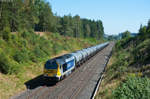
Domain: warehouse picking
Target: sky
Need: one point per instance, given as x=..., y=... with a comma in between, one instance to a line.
x=117, y=15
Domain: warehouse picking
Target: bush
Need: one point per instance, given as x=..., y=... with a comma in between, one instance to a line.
x=38, y=52
x=4, y=63
x=121, y=63
x=57, y=47
x=133, y=88
x=6, y=34
x=45, y=46
x=141, y=52
x=25, y=34
x=21, y=56
x=7, y=65
x=32, y=57
x=14, y=38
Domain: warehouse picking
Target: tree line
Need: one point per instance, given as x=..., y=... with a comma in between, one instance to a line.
x=37, y=15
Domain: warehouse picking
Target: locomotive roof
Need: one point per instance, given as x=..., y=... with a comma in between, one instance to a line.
x=63, y=59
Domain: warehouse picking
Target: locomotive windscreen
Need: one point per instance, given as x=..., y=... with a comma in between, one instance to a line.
x=51, y=64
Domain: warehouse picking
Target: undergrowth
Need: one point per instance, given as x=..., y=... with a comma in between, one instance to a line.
x=128, y=75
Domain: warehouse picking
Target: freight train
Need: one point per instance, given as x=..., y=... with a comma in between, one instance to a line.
x=60, y=67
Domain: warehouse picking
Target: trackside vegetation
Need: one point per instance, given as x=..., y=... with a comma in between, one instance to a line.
x=127, y=74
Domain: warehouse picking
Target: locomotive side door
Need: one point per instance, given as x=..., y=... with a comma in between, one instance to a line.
x=64, y=66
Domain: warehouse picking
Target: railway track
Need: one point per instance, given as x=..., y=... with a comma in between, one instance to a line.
x=79, y=85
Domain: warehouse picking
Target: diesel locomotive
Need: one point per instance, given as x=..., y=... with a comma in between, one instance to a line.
x=60, y=67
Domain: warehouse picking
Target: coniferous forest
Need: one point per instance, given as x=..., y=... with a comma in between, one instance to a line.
x=37, y=15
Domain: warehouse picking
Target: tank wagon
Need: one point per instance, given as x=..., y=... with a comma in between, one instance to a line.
x=60, y=67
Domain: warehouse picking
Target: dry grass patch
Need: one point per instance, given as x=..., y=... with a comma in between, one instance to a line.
x=13, y=84
x=9, y=85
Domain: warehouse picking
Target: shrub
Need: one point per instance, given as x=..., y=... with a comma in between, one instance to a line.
x=33, y=39
x=45, y=46
x=32, y=57
x=25, y=34
x=24, y=43
x=57, y=47
x=121, y=63
x=133, y=88
x=38, y=52
x=21, y=56
x=141, y=52
x=6, y=33
x=4, y=63
x=14, y=39
x=7, y=65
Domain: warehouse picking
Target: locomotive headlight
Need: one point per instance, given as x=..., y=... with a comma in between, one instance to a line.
x=45, y=74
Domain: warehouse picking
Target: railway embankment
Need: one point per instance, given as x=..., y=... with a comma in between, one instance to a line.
x=128, y=71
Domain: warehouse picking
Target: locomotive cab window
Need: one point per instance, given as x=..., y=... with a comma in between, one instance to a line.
x=51, y=65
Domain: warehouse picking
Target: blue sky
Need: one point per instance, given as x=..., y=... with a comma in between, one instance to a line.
x=116, y=15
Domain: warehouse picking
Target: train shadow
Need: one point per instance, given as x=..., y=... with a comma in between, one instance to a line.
x=39, y=81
